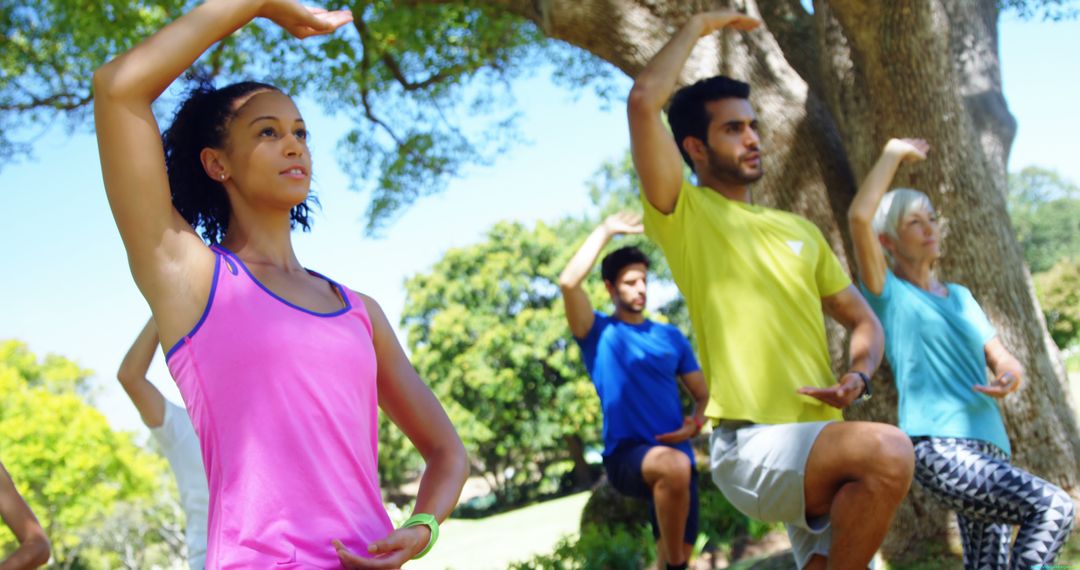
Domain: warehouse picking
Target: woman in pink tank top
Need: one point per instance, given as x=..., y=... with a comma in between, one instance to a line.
x=282, y=369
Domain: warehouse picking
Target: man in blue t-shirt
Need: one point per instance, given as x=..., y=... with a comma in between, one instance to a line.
x=635, y=364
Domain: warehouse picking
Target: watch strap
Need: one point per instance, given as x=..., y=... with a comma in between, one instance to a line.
x=866, y=393
x=429, y=521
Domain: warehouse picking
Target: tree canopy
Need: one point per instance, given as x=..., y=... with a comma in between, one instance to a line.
x=404, y=76
x=76, y=473
x=1045, y=211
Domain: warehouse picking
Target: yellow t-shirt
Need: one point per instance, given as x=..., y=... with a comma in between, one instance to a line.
x=753, y=279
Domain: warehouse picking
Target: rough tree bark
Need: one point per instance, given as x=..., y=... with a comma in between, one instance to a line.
x=830, y=88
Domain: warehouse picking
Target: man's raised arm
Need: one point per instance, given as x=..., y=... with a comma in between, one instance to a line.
x=656, y=154
x=579, y=311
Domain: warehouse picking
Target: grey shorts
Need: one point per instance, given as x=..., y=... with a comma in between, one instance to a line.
x=760, y=469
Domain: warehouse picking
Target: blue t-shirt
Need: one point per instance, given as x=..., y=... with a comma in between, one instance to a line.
x=935, y=346
x=635, y=370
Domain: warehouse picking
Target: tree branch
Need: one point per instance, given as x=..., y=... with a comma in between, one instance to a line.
x=58, y=102
x=395, y=68
x=365, y=74
x=793, y=28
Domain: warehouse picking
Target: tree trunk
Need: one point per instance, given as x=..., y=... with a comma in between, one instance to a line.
x=831, y=87
x=582, y=475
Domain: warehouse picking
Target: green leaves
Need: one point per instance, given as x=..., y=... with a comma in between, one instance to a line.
x=426, y=85
x=68, y=464
x=486, y=329
x=48, y=54
x=1059, y=295
x=1045, y=212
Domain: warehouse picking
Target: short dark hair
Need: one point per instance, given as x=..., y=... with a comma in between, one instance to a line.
x=202, y=121
x=687, y=114
x=616, y=261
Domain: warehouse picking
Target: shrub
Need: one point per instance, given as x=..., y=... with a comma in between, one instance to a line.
x=1059, y=295
x=598, y=548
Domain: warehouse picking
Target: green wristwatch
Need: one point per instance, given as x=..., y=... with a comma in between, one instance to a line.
x=428, y=521
x=866, y=386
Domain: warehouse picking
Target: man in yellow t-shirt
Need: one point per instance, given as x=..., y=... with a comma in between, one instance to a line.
x=756, y=281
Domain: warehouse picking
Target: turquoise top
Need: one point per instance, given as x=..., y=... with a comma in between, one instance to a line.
x=935, y=346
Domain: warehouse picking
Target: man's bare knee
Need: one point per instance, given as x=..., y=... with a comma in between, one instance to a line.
x=670, y=466
x=892, y=462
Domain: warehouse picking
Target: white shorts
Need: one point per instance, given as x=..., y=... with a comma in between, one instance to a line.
x=760, y=468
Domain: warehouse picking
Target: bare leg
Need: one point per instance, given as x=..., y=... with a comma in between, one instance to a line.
x=857, y=473
x=688, y=549
x=661, y=563
x=667, y=471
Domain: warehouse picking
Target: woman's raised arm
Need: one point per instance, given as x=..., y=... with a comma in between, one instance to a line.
x=868, y=254
x=170, y=263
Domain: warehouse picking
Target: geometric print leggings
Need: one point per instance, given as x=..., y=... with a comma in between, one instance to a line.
x=975, y=479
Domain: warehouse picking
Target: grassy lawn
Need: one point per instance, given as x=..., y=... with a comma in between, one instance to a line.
x=493, y=542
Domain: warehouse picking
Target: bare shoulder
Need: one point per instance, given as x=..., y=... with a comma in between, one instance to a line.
x=370, y=303
x=379, y=320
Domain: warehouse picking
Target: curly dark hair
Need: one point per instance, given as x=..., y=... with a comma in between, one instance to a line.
x=202, y=121
x=687, y=114
x=614, y=262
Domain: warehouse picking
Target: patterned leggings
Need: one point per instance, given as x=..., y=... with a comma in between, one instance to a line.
x=975, y=479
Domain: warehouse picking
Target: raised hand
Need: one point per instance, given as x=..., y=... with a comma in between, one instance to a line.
x=623, y=223
x=391, y=552
x=304, y=21
x=1005, y=384
x=907, y=150
x=840, y=395
x=720, y=19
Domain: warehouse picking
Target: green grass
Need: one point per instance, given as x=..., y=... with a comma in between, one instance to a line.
x=495, y=541
x=1070, y=555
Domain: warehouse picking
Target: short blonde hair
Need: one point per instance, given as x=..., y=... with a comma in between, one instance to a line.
x=896, y=204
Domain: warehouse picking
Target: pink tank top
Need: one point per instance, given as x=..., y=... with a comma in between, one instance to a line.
x=284, y=402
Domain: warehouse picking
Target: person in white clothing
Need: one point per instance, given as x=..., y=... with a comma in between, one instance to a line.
x=171, y=427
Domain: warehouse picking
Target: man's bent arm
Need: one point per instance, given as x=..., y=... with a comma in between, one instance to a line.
x=132, y=375
x=699, y=389
x=851, y=310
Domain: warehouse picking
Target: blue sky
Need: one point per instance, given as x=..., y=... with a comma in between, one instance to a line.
x=67, y=290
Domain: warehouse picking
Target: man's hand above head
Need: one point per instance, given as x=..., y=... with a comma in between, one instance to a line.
x=623, y=223
x=719, y=19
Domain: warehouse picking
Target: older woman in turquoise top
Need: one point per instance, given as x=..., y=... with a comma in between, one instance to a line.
x=939, y=343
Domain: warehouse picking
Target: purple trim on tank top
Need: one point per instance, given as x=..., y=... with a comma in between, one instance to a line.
x=206, y=311
x=338, y=288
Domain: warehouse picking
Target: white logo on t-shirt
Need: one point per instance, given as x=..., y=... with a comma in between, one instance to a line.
x=795, y=246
